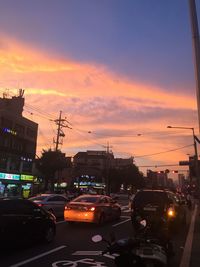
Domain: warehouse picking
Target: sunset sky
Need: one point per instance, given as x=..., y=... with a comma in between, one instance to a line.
x=120, y=71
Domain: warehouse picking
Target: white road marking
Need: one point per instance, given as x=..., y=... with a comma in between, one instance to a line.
x=37, y=257
x=109, y=256
x=114, y=225
x=185, y=260
x=72, y=263
x=88, y=253
x=124, y=207
x=125, y=217
x=126, y=211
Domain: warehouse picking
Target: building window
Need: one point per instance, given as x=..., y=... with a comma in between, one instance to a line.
x=3, y=161
x=6, y=123
x=15, y=164
x=30, y=132
x=19, y=129
x=27, y=166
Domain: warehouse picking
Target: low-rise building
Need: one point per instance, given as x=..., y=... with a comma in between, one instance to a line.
x=18, y=139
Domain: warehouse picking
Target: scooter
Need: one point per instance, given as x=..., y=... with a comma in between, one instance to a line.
x=137, y=252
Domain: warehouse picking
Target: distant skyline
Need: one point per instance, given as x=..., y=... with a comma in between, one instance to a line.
x=121, y=71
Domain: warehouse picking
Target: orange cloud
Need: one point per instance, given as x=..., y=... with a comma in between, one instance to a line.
x=94, y=99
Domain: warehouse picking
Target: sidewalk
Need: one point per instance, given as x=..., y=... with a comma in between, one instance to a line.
x=191, y=253
x=195, y=255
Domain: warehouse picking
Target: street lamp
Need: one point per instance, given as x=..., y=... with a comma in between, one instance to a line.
x=195, y=147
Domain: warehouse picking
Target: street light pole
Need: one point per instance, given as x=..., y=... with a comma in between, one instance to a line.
x=195, y=149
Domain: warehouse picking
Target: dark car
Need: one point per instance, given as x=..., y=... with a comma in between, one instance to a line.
x=162, y=209
x=22, y=221
x=93, y=209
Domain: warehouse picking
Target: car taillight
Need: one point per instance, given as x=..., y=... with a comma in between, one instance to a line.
x=170, y=212
x=40, y=204
x=89, y=208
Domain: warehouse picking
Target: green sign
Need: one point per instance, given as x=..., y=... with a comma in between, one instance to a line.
x=25, y=177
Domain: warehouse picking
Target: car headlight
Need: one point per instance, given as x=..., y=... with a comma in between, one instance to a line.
x=171, y=213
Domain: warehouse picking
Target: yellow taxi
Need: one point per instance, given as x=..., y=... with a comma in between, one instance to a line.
x=92, y=209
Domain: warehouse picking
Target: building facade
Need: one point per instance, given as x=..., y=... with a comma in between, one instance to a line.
x=18, y=140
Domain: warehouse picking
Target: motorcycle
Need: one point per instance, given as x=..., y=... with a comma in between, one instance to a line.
x=138, y=251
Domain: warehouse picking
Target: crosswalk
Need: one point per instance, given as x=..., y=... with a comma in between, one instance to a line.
x=125, y=209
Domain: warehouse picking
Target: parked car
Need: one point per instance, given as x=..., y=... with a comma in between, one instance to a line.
x=92, y=208
x=51, y=202
x=22, y=221
x=163, y=209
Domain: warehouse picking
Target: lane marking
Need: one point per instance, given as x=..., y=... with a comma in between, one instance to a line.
x=114, y=225
x=125, y=217
x=37, y=257
x=185, y=260
x=88, y=253
x=110, y=256
x=124, y=207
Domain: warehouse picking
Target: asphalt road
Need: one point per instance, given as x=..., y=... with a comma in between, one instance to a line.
x=73, y=246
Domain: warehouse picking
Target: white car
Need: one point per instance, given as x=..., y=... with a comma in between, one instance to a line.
x=53, y=203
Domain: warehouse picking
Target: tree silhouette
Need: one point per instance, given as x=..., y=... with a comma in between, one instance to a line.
x=50, y=162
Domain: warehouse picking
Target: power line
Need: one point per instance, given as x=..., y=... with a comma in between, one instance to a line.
x=162, y=165
x=167, y=151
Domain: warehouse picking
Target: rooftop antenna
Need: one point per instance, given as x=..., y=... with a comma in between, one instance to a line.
x=21, y=92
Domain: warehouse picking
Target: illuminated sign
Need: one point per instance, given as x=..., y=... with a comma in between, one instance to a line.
x=9, y=176
x=2, y=175
x=61, y=185
x=27, y=177
x=26, y=186
x=7, y=130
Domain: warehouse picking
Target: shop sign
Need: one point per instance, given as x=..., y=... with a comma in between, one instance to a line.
x=27, y=177
x=2, y=175
x=9, y=176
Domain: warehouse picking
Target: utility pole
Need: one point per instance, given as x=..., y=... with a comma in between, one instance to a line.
x=61, y=123
x=107, y=182
x=196, y=51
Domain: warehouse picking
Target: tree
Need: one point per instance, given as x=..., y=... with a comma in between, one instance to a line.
x=128, y=175
x=50, y=162
x=132, y=177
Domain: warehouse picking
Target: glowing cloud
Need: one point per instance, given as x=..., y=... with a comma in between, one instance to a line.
x=94, y=99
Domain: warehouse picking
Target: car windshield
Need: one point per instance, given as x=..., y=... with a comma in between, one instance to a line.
x=40, y=198
x=88, y=199
x=154, y=198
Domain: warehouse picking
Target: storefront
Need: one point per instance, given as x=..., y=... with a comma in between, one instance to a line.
x=16, y=184
x=85, y=187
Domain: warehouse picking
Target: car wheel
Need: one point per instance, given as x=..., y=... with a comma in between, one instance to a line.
x=49, y=234
x=101, y=219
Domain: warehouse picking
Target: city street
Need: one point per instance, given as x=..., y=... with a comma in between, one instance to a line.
x=73, y=245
